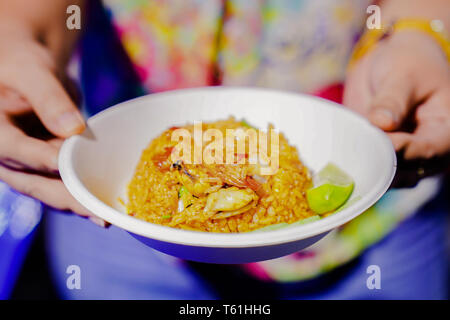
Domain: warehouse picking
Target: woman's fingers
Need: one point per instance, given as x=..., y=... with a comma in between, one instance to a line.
x=56, y=142
x=12, y=102
x=357, y=92
x=400, y=139
x=432, y=135
x=50, y=101
x=428, y=141
x=18, y=150
x=392, y=101
x=48, y=190
x=51, y=191
x=31, y=152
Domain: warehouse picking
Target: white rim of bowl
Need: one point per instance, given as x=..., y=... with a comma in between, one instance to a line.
x=223, y=240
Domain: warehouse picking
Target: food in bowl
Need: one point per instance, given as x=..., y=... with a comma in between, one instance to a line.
x=98, y=165
x=185, y=192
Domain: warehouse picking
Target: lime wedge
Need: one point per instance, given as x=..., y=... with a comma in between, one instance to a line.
x=332, y=188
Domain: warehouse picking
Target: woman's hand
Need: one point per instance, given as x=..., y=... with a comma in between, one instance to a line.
x=30, y=86
x=403, y=87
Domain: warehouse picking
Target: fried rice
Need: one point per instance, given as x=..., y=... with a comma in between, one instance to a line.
x=217, y=197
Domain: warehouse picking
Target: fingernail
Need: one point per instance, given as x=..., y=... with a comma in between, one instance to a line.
x=98, y=221
x=385, y=118
x=386, y=114
x=71, y=122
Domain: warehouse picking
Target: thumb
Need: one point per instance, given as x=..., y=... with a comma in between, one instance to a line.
x=391, y=103
x=49, y=100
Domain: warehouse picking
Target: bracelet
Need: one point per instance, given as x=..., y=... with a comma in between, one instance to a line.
x=433, y=28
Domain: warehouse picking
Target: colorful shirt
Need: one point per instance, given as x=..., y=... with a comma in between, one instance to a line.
x=291, y=45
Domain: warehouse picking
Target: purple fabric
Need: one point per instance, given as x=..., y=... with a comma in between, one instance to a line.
x=19, y=217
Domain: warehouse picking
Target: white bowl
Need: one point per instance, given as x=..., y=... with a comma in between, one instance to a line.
x=97, y=165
